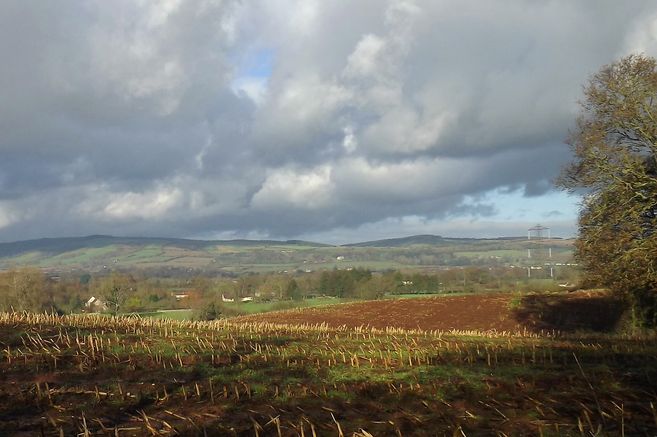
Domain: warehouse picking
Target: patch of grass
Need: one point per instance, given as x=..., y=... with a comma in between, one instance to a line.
x=515, y=301
x=263, y=307
x=183, y=314
x=82, y=256
x=148, y=254
x=29, y=258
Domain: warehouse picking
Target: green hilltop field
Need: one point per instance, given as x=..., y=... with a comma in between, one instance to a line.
x=97, y=253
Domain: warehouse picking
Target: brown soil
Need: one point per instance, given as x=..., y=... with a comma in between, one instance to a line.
x=582, y=310
x=473, y=312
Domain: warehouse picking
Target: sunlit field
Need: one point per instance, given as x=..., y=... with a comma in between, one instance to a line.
x=99, y=375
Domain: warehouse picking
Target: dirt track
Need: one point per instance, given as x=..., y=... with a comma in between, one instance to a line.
x=480, y=312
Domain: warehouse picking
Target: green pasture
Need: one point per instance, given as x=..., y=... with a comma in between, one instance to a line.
x=82, y=256
x=247, y=307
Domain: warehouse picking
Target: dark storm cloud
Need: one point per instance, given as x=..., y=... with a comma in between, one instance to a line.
x=284, y=118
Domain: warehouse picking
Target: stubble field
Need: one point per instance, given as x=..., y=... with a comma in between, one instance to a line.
x=93, y=375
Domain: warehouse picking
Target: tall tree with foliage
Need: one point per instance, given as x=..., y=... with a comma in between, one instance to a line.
x=615, y=148
x=293, y=291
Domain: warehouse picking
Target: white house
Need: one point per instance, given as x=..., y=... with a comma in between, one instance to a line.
x=95, y=305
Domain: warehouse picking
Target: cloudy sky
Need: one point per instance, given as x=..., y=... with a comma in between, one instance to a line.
x=326, y=120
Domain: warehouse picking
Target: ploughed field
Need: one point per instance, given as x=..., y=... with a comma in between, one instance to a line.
x=593, y=310
x=481, y=312
x=94, y=375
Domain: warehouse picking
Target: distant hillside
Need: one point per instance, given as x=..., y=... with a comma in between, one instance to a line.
x=404, y=241
x=56, y=246
x=175, y=256
x=433, y=240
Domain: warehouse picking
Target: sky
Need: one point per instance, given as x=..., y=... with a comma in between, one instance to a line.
x=333, y=121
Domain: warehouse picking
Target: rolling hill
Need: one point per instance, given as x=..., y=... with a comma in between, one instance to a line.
x=411, y=241
x=101, y=252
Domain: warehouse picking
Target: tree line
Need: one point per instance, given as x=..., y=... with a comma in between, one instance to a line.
x=29, y=289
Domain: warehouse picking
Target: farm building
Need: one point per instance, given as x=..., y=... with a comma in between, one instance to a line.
x=95, y=305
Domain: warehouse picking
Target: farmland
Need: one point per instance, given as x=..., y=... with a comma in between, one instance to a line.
x=243, y=308
x=593, y=310
x=468, y=312
x=176, y=256
x=97, y=375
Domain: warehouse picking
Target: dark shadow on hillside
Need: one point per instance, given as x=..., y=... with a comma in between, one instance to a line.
x=581, y=311
x=58, y=246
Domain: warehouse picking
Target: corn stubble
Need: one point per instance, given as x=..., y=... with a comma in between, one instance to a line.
x=98, y=375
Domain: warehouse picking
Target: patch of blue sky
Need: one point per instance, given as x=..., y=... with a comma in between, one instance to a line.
x=253, y=70
x=257, y=63
x=513, y=205
x=501, y=212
